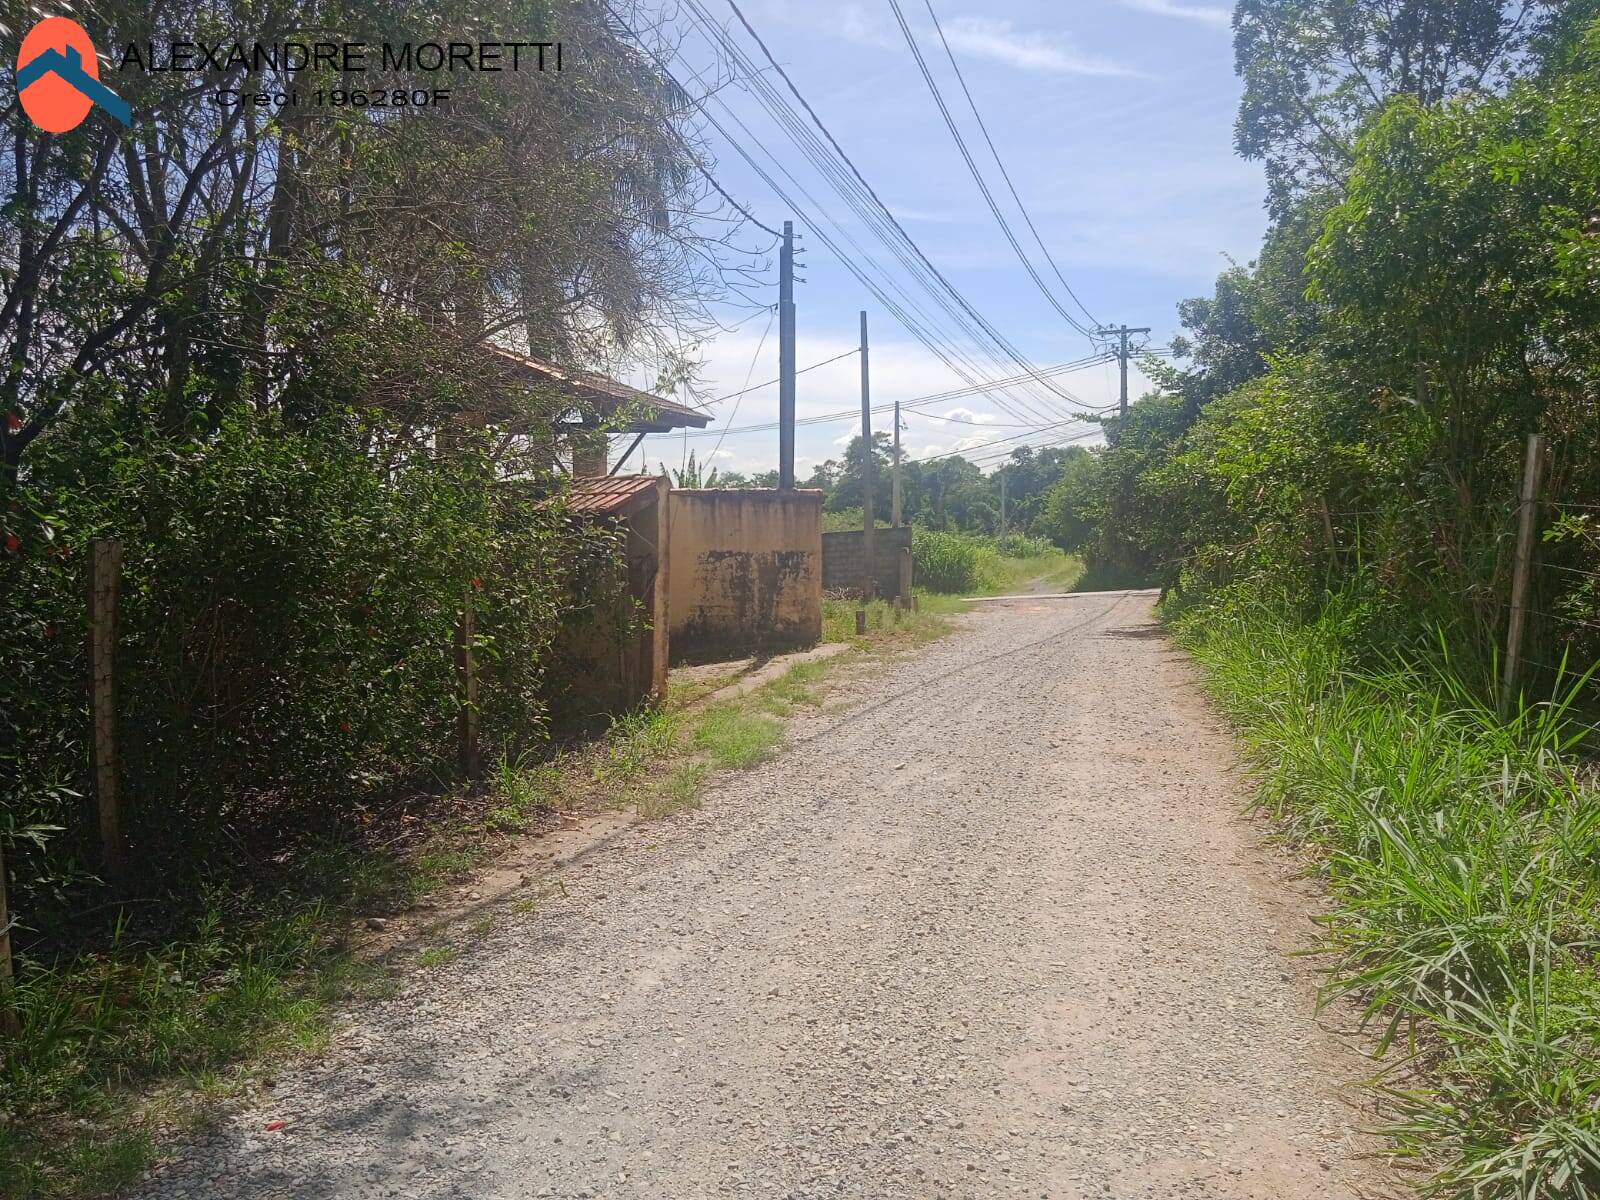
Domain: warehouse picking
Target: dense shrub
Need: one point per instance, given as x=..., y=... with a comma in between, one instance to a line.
x=951, y=562
x=286, y=631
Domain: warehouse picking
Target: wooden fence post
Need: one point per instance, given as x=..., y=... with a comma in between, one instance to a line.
x=8, y=1015
x=1526, y=528
x=467, y=719
x=105, y=569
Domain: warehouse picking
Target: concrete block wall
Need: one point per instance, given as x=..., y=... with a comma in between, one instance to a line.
x=744, y=572
x=843, y=554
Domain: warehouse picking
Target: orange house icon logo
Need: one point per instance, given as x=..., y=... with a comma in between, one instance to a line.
x=58, y=77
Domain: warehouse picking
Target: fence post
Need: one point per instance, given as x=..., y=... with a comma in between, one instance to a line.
x=8, y=1015
x=105, y=570
x=1523, y=571
x=466, y=671
x=861, y=622
x=904, y=590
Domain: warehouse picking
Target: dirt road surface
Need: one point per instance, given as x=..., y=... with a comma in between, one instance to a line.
x=993, y=927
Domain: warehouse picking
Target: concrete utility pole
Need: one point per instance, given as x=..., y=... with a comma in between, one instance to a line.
x=869, y=474
x=1122, y=331
x=786, y=359
x=896, y=465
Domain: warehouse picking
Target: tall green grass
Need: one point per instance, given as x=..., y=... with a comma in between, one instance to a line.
x=969, y=564
x=1462, y=855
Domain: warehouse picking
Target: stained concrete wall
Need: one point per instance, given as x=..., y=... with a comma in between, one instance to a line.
x=744, y=572
x=843, y=555
x=614, y=655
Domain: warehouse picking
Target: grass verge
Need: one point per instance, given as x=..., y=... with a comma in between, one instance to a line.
x=124, y=1046
x=1461, y=852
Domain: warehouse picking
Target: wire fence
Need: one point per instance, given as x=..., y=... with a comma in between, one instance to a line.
x=1561, y=642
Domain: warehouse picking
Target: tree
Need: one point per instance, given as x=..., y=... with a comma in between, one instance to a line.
x=1315, y=71
x=307, y=262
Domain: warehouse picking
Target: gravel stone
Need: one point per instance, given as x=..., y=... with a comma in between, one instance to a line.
x=992, y=925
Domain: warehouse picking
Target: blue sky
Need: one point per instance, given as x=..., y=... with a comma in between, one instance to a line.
x=1115, y=120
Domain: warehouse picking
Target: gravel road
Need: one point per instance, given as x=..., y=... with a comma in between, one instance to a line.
x=993, y=926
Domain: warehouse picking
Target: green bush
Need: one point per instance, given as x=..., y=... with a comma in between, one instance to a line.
x=286, y=634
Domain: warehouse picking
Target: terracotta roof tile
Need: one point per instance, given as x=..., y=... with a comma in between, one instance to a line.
x=610, y=495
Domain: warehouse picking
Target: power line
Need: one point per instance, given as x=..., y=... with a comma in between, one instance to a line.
x=915, y=404
x=1005, y=174
x=1013, y=438
x=755, y=358
x=972, y=166
x=814, y=366
x=997, y=339
x=801, y=135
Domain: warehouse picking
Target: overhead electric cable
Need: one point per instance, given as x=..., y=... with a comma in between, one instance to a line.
x=999, y=162
x=975, y=172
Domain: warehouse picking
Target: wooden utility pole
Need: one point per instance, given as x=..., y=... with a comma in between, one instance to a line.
x=1122, y=332
x=1523, y=571
x=786, y=370
x=869, y=476
x=105, y=571
x=467, y=680
x=895, y=467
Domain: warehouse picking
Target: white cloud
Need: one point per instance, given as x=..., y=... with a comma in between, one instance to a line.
x=965, y=414
x=1003, y=42
x=1205, y=14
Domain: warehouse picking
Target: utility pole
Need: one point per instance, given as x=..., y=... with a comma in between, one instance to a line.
x=869, y=475
x=786, y=359
x=1002, y=474
x=1122, y=331
x=896, y=466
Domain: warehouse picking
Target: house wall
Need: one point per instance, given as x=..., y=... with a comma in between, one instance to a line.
x=744, y=572
x=843, y=555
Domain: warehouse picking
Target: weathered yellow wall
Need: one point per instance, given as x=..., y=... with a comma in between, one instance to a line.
x=609, y=667
x=744, y=572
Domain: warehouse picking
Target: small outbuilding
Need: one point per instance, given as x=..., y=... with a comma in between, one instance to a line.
x=618, y=657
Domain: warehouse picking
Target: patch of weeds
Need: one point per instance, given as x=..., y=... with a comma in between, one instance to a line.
x=526, y=791
x=447, y=856
x=482, y=926
x=636, y=740
x=799, y=686
x=525, y=906
x=680, y=790
x=684, y=693
x=437, y=956
x=888, y=626
x=95, y=1030
x=736, y=738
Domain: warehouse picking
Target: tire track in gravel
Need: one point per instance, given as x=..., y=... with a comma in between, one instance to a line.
x=997, y=930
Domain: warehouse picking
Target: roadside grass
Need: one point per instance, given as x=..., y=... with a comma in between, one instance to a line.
x=121, y=1048
x=1461, y=852
x=436, y=956
x=679, y=791
x=736, y=737
x=1053, y=570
